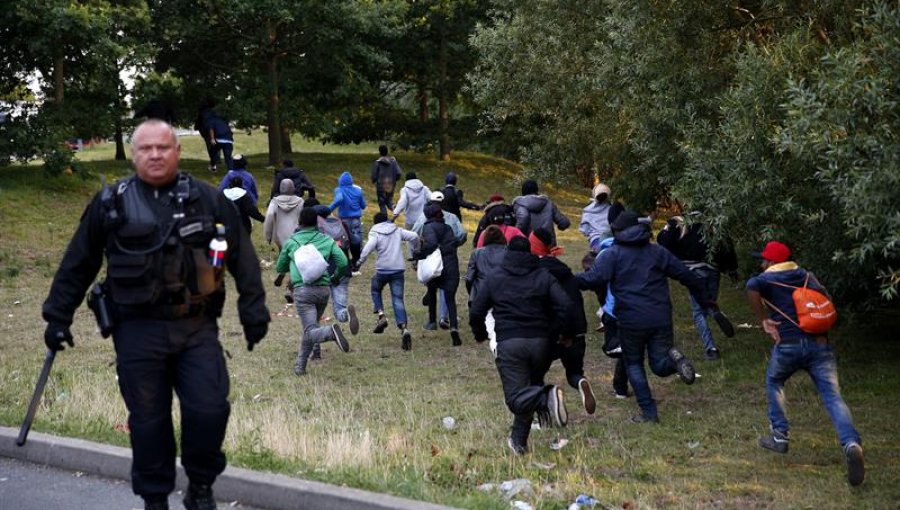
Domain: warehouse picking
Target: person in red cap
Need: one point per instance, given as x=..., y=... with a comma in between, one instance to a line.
x=493, y=209
x=795, y=350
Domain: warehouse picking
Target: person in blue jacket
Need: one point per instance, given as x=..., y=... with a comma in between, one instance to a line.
x=350, y=203
x=636, y=271
x=240, y=170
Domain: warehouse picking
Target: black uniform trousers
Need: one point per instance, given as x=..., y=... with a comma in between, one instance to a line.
x=522, y=364
x=153, y=358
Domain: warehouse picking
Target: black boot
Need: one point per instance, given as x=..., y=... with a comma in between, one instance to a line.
x=199, y=497
x=161, y=503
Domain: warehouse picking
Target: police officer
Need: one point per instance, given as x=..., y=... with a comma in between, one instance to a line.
x=164, y=296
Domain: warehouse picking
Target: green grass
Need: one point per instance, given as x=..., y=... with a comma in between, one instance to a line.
x=372, y=418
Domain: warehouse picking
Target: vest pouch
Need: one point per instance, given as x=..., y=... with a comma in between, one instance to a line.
x=207, y=279
x=131, y=280
x=173, y=267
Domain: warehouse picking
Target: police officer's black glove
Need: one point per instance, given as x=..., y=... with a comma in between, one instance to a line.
x=55, y=335
x=254, y=333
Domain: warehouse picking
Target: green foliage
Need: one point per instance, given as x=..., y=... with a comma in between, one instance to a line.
x=775, y=119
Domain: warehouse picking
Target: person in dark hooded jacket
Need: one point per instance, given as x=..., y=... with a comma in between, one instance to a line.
x=297, y=176
x=494, y=207
x=528, y=304
x=482, y=262
x=636, y=271
x=534, y=211
x=243, y=201
x=385, y=174
x=437, y=235
x=453, y=197
x=569, y=345
x=688, y=243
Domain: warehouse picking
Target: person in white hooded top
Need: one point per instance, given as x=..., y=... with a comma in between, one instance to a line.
x=283, y=214
x=595, y=217
x=385, y=240
x=413, y=198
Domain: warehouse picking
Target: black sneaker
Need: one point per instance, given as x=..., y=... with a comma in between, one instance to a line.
x=587, y=396
x=776, y=441
x=454, y=335
x=856, y=468
x=642, y=418
x=723, y=322
x=712, y=354
x=518, y=449
x=557, y=407
x=406, y=342
x=430, y=326
x=156, y=504
x=381, y=325
x=684, y=366
x=354, y=320
x=199, y=497
x=444, y=323
x=340, y=339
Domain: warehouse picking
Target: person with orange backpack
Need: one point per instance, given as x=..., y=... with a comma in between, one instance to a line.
x=795, y=310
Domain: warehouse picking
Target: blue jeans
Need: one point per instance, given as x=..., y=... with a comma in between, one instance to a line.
x=656, y=342
x=395, y=280
x=339, y=300
x=710, y=278
x=818, y=360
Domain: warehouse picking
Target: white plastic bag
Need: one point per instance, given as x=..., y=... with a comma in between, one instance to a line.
x=430, y=267
x=311, y=264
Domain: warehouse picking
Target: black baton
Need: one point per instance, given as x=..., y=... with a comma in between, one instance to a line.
x=36, y=397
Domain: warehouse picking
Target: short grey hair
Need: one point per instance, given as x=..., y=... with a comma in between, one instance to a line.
x=155, y=122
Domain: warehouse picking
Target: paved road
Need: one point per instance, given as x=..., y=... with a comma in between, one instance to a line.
x=26, y=486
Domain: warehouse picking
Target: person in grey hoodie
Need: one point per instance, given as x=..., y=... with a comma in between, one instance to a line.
x=534, y=211
x=385, y=239
x=413, y=198
x=595, y=217
x=283, y=214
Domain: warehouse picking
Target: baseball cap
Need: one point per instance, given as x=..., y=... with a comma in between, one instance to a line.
x=437, y=196
x=774, y=251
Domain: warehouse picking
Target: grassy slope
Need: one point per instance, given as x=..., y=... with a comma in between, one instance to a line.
x=372, y=419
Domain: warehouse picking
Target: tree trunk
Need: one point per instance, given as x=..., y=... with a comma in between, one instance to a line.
x=272, y=114
x=286, y=147
x=422, y=97
x=58, y=78
x=443, y=106
x=120, y=143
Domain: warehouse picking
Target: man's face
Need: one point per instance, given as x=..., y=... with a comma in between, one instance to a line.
x=155, y=154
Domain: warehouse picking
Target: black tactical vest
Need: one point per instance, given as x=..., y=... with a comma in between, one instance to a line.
x=157, y=253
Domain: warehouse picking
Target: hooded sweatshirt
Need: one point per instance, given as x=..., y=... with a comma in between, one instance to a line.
x=326, y=246
x=636, y=272
x=385, y=173
x=348, y=198
x=413, y=198
x=538, y=211
x=245, y=205
x=386, y=239
x=595, y=222
x=527, y=301
x=248, y=180
x=282, y=218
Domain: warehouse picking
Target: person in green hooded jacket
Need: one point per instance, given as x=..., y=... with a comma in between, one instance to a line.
x=311, y=298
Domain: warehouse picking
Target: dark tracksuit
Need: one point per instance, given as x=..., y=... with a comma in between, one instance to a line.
x=163, y=341
x=572, y=357
x=636, y=272
x=300, y=179
x=528, y=304
x=385, y=174
x=437, y=235
x=453, y=201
